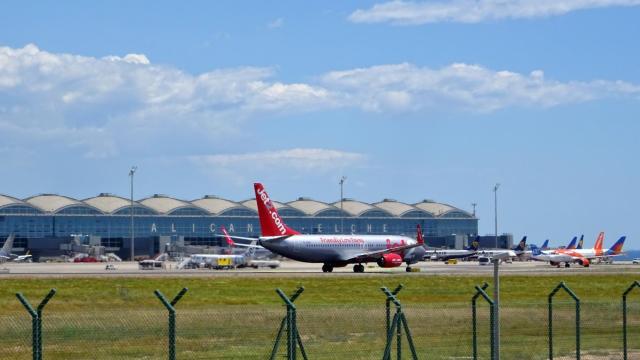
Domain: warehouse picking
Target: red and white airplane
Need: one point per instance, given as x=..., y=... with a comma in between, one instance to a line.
x=583, y=257
x=334, y=250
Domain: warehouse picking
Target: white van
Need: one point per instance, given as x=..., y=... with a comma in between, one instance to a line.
x=484, y=260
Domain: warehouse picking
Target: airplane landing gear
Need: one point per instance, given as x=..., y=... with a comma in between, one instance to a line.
x=567, y=265
x=358, y=268
x=327, y=268
x=408, y=268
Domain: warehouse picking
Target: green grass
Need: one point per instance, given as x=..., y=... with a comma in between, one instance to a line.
x=339, y=316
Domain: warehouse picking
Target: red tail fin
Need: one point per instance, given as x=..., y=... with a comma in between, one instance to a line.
x=270, y=222
x=227, y=237
x=599, y=242
x=419, y=236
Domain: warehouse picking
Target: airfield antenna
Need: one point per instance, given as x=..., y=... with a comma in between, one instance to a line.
x=342, y=180
x=131, y=173
x=474, y=208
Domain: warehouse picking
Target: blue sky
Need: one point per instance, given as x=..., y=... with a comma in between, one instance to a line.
x=409, y=100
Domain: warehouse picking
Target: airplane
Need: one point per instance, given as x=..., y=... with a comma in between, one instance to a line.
x=580, y=242
x=333, y=250
x=6, y=255
x=517, y=250
x=582, y=257
x=444, y=255
x=555, y=259
x=220, y=261
x=591, y=254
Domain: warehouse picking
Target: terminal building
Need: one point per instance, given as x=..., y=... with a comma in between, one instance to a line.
x=43, y=224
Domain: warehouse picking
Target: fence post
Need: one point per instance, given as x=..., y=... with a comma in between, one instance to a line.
x=474, y=339
x=624, y=317
x=289, y=325
x=172, y=318
x=388, y=306
x=36, y=322
x=480, y=292
x=563, y=286
x=399, y=322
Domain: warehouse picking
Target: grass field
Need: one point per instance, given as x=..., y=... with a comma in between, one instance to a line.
x=339, y=317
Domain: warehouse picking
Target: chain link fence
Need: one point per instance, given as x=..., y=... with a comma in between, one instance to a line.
x=327, y=331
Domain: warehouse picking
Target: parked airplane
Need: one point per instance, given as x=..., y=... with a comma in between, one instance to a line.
x=506, y=253
x=580, y=242
x=572, y=243
x=6, y=255
x=555, y=259
x=334, y=250
x=582, y=257
x=593, y=253
x=447, y=254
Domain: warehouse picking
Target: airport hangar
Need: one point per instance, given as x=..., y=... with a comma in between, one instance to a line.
x=45, y=224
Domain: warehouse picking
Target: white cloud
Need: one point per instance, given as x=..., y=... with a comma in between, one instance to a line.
x=462, y=86
x=276, y=24
x=295, y=163
x=474, y=11
x=108, y=106
x=293, y=159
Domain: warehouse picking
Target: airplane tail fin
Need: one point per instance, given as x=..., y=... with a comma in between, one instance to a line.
x=535, y=251
x=8, y=245
x=475, y=244
x=419, y=236
x=545, y=245
x=522, y=246
x=227, y=237
x=270, y=222
x=599, y=241
x=580, y=242
x=617, y=247
x=572, y=244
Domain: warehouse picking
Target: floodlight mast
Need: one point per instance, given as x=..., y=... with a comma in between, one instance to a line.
x=132, y=230
x=342, y=180
x=495, y=194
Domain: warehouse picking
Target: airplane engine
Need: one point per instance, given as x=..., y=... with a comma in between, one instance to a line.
x=584, y=262
x=390, y=260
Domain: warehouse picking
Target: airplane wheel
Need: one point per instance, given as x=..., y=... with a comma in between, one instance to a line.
x=567, y=265
x=361, y=268
x=330, y=268
x=408, y=268
x=325, y=268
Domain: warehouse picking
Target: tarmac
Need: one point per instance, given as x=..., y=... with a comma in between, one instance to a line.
x=294, y=268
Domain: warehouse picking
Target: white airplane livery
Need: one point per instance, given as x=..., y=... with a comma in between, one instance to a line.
x=334, y=250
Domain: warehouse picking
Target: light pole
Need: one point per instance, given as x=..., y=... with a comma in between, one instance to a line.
x=495, y=199
x=496, y=283
x=131, y=173
x=342, y=179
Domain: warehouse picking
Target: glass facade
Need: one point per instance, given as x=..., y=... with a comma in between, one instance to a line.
x=42, y=228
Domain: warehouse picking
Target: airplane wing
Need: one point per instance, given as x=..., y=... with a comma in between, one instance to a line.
x=230, y=241
x=237, y=237
x=378, y=253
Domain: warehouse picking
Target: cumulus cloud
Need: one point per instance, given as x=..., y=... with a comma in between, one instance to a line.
x=104, y=106
x=115, y=96
x=468, y=87
x=474, y=11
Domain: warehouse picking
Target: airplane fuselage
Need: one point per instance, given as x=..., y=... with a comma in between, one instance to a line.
x=340, y=249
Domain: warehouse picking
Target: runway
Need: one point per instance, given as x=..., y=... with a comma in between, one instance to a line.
x=290, y=268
